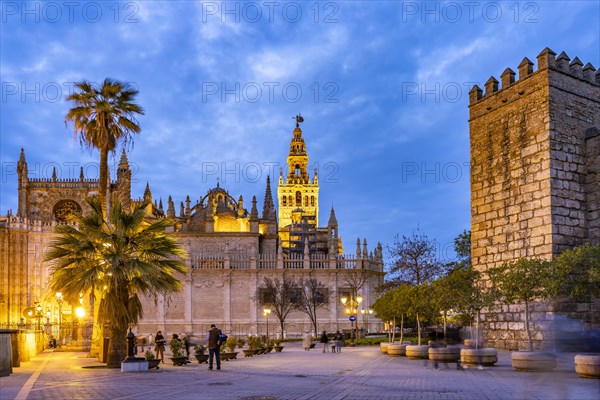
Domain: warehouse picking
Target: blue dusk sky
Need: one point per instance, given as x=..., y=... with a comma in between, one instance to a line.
x=382, y=86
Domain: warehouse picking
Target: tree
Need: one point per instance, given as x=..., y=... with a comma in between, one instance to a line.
x=101, y=117
x=524, y=281
x=354, y=280
x=579, y=270
x=123, y=256
x=312, y=296
x=414, y=259
x=448, y=292
x=277, y=295
x=385, y=310
x=462, y=248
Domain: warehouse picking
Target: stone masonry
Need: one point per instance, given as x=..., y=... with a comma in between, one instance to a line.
x=535, y=157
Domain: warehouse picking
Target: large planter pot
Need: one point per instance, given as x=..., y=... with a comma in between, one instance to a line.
x=180, y=360
x=414, y=351
x=248, y=352
x=396, y=349
x=228, y=356
x=533, y=361
x=444, y=354
x=469, y=343
x=487, y=357
x=202, y=358
x=278, y=349
x=383, y=346
x=153, y=363
x=588, y=365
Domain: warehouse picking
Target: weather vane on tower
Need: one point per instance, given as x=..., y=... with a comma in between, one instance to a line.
x=298, y=120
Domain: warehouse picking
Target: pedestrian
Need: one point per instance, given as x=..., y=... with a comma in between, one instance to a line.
x=324, y=340
x=187, y=343
x=306, y=340
x=339, y=339
x=212, y=339
x=159, y=346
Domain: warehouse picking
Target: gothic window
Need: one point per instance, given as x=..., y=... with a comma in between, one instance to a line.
x=284, y=201
x=298, y=199
x=305, y=201
x=312, y=201
x=66, y=210
x=297, y=170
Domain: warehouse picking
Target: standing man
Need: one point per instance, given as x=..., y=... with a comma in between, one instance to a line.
x=212, y=337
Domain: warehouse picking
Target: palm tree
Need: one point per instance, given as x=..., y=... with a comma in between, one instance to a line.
x=121, y=257
x=103, y=116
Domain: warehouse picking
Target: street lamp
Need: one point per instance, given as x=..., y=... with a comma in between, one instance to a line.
x=38, y=314
x=353, y=303
x=59, y=300
x=366, y=314
x=266, y=313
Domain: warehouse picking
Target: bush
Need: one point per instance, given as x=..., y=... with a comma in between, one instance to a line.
x=149, y=355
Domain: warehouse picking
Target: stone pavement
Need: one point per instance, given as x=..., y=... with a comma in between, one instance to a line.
x=356, y=373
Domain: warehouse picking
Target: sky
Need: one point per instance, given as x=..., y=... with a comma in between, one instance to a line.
x=382, y=87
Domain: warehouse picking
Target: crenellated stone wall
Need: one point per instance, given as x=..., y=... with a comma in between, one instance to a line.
x=534, y=174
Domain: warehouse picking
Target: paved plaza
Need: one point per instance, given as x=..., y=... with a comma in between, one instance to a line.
x=356, y=373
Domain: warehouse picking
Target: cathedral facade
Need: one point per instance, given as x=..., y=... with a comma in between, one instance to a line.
x=230, y=250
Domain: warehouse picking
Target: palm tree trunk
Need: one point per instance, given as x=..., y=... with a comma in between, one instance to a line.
x=103, y=178
x=116, y=347
x=527, y=326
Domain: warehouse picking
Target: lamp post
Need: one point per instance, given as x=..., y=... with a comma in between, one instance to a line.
x=59, y=300
x=366, y=314
x=267, y=312
x=353, y=303
x=38, y=314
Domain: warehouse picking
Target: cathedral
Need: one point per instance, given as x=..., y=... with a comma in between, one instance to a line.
x=230, y=250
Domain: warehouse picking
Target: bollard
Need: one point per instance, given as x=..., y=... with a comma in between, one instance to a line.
x=130, y=345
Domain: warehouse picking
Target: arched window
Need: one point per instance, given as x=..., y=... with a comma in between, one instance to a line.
x=298, y=199
x=297, y=170
x=291, y=201
x=312, y=201
x=284, y=201
x=66, y=210
x=305, y=201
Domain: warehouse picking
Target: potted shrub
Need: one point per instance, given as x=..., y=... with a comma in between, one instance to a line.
x=228, y=349
x=524, y=281
x=241, y=342
x=278, y=347
x=178, y=352
x=579, y=272
x=254, y=344
x=420, y=305
x=153, y=362
x=200, y=354
x=476, y=297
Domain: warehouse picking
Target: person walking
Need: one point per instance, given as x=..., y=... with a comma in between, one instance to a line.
x=212, y=339
x=339, y=338
x=187, y=343
x=306, y=340
x=159, y=346
x=324, y=340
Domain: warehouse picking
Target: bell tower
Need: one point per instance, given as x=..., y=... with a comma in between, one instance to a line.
x=296, y=192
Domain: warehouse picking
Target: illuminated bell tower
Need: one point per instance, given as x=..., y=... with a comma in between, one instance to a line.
x=297, y=193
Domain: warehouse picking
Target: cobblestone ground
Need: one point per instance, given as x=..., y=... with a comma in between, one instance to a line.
x=356, y=373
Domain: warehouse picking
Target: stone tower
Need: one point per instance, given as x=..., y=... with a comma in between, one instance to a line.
x=535, y=156
x=297, y=193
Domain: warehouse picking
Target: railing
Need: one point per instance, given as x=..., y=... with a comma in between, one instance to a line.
x=241, y=260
